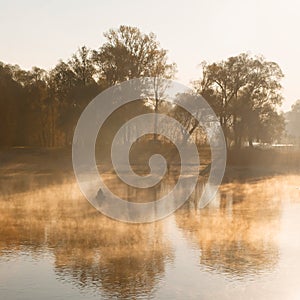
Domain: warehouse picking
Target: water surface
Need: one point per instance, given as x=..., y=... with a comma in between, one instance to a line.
x=244, y=245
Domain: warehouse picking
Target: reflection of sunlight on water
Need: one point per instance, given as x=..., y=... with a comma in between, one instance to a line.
x=246, y=243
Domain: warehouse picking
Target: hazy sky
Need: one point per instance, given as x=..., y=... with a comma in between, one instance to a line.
x=39, y=33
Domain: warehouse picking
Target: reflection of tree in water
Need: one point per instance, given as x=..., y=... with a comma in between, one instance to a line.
x=237, y=233
x=124, y=260
x=90, y=250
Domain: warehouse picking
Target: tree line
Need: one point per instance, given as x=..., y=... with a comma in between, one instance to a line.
x=292, y=118
x=41, y=108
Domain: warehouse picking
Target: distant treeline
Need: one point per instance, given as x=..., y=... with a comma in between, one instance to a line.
x=293, y=124
x=41, y=108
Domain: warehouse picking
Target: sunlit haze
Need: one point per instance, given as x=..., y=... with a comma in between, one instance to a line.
x=39, y=33
x=117, y=181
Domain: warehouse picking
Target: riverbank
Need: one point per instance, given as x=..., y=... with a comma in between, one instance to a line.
x=56, y=163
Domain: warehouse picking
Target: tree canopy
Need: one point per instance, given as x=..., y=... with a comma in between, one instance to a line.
x=41, y=108
x=245, y=94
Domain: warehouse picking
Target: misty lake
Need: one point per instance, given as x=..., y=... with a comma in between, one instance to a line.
x=244, y=245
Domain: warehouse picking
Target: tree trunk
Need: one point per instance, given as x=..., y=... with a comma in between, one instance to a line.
x=251, y=142
x=155, y=118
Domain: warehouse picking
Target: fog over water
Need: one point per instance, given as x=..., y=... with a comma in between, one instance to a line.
x=244, y=244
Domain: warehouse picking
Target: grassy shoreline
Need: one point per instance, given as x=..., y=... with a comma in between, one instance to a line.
x=57, y=163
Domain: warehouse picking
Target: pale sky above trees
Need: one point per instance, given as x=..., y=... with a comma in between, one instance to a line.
x=39, y=33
